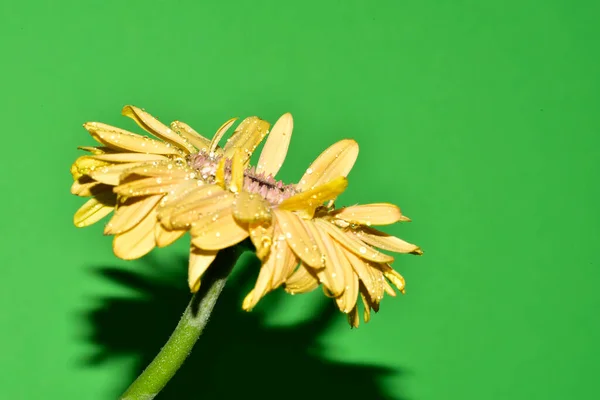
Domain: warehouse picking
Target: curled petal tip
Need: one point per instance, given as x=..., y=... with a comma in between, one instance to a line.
x=417, y=252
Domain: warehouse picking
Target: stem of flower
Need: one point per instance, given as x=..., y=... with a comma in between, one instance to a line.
x=158, y=373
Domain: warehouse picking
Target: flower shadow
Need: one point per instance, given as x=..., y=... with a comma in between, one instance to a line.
x=238, y=355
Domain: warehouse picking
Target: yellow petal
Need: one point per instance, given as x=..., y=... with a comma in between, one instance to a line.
x=353, y=244
x=186, y=206
x=388, y=289
x=393, y=276
x=123, y=140
x=371, y=278
x=86, y=186
x=336, y=161
x=129, y=213
x=128, y=157
x=303, y=280
x=298, y=238
x=251, y=208
x=353, y=318
x=261, y=236
x=111, y=175
x=189, y=213
x=347, y=300
x=219, y=134
x=384, y=241
x=150, y=124
x=367, y=308
x=137, y=241
x=305, y=203
x=84, y=165
x=220, y=173
x=95, y=209
x=173, y=168
x=164, y=237
x=247, y=136
x=199, y=262
x=237, y=172
x=332, y=275
x=284, y=261
x=276, y=147
x=149, y=186
x=97, y=149
x=370, y=214
x=262, y=286
x=217, y=231
x=199, y=141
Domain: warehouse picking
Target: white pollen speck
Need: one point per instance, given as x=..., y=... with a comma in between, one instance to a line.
x=362, y=250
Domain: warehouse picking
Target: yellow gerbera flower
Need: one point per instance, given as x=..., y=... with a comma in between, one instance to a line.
x=161, y=189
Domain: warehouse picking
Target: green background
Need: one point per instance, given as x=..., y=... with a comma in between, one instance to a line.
x=480, y=119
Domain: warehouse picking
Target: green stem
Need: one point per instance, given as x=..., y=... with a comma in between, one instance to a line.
x=154, y=378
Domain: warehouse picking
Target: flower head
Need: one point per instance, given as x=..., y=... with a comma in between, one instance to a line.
x=161, y=188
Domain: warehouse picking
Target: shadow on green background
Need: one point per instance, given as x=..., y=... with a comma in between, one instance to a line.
x=239, y=356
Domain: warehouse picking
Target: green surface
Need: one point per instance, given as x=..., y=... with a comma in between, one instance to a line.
x=480, y=119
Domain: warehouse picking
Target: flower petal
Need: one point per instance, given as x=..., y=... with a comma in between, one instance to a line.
x=336, y=161
x=189, y=213
x=187, y=201
x=353, y=244
x=217, y=231
x=220, y=173
x=251, y=208
x=95, y=209
x=285, y=261
x=388, y=289
x=129, y=213
x=214, y=144
x=393, y=276
x=84, y=165
x=370, y=214
x=97, y=149
x=276, y=147
x=199, y=262
x=173, y=168
x=150, y=186
x=332, y=275
x=151, y=125
x=236, y=182
x=164, y=237
x=353, y=318
x=261, y=235
x=199, y=141
x=86, y=186
x=128, y=157
x=347, y=301
x=262, y=286
x=247, y=136
x=305, y=203
x=111, y=175
x=367, y=307
x=384, y=241
x=371, y=278
x=298, y=238
x=123, y=140
x=137, y=241
x=303, y=280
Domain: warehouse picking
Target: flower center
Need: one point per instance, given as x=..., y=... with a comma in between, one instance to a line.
x=266, y=186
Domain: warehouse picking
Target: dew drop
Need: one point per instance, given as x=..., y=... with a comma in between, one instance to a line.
x=362, y=250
